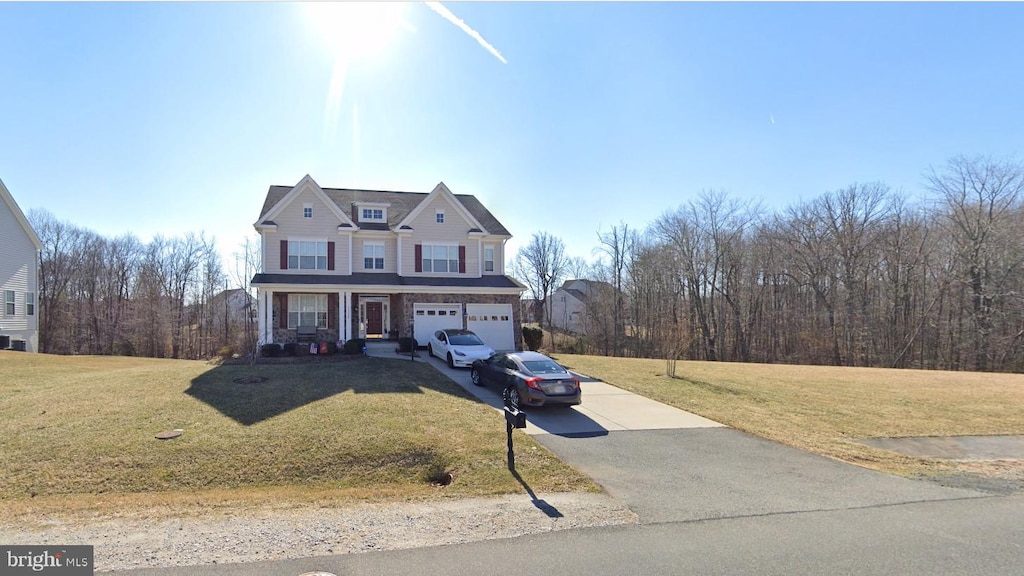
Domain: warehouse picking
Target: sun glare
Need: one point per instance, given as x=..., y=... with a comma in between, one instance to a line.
x=356, y=30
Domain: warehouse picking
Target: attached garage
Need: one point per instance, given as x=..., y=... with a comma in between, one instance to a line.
x=429, y=318
x=493, y=324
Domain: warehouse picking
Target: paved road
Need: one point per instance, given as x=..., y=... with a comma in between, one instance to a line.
x=980, y=536
x=712, y=500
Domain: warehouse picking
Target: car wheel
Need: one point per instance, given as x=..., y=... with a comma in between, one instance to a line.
x=451, y=362
x=475, y=376
x=430, y=350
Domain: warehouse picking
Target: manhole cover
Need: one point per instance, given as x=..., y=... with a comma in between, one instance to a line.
x=168, y=434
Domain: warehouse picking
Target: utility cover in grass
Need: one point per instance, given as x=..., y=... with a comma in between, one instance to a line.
x=168, y=434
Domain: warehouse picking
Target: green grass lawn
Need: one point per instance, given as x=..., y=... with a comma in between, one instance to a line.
x=823, y=409
x=78, y=433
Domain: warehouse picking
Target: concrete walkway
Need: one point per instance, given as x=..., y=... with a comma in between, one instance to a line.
x=605, y=408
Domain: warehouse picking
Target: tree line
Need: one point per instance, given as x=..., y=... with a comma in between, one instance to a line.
x=860, y=276
x=121, y=296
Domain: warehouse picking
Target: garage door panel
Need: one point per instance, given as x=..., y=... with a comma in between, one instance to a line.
x=429, y=318
x=493, y=324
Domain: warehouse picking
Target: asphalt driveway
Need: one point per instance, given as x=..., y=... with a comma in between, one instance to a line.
x=669, y=465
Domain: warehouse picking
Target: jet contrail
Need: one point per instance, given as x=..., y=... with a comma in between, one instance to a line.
x=447, y=15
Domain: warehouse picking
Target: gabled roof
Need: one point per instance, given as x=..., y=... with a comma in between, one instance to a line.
x=270, y=211
x=443, y=191
x=20, y=216
x=400, y=206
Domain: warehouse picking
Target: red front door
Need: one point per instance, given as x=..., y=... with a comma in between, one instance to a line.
x=374, y=319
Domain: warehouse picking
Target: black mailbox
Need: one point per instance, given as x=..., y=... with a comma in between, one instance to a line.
x=515, y=417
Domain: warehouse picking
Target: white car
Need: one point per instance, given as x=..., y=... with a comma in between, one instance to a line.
x=458, y=347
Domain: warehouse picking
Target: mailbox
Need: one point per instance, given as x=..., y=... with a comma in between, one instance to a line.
x=515, y=417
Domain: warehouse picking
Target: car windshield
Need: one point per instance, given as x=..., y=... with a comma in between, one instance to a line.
x=465, y=340
x=543, y=367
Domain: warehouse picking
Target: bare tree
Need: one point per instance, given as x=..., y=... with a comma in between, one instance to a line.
x=541, y=265
x=981, y=196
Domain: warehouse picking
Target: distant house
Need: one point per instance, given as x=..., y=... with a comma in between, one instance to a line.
x=19, y=277
x=568, y=306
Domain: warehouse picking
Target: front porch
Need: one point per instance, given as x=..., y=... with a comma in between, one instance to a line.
x=336, y=316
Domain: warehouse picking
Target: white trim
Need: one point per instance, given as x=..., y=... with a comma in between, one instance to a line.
x=392, y=289
x=441, y=190
x=20, y=216
x=307, y=183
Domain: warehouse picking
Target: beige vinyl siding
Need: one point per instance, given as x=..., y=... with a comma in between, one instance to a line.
x=454, y=231
x=292, y=225
x=390, y=252
x=499, y=257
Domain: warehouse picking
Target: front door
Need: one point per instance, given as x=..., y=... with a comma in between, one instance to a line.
x=374, y=319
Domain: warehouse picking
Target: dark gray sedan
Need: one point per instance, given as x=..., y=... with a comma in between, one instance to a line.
x=535, y=379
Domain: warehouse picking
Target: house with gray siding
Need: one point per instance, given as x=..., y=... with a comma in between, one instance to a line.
x=19, y=277
x=378, y=264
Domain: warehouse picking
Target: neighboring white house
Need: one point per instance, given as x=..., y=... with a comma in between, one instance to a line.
x=19, y=277
x=567, y=306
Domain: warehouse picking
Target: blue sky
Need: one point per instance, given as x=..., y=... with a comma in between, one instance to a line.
x=175, y=117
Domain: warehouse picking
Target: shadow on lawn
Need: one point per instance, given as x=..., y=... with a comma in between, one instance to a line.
x=252, y=394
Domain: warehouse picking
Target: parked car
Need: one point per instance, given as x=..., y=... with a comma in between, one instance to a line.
x=458, y=347
x=535, y=379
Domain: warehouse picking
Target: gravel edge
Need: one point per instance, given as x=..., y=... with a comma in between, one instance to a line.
x=127, y=544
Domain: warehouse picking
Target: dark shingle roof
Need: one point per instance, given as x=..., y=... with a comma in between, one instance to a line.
x=378, y=279
x=401, y=204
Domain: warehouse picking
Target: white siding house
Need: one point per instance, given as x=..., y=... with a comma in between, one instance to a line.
x=19, y=277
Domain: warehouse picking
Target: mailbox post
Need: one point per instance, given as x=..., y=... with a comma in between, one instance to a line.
x=514, y=418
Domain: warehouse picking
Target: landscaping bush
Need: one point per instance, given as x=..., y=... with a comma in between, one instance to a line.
x=290, y=348
x=270, y=350
x=406, y=344
x=354, y=346
x=533, y=337
x=332, y=348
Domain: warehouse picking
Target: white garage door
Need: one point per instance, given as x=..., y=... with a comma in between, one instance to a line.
x=493, y=324
x=429, y=318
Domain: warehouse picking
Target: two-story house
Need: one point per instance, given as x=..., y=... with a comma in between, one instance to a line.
x=568, y=306
x=376, y=264
x=19, y=277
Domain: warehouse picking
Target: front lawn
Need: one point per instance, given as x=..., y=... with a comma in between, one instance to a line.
x=78, y=434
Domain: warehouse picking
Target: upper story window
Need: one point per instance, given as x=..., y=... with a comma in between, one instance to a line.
x=439, y=216
x=488, y=258
x=440, y=258
x=371, y=215
x=30, y=303
x=373, y=255
x=9, y=302
x=307, y=255
x=307, y=210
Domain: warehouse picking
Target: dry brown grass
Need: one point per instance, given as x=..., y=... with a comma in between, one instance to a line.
x=822, y=409
x=78, y=435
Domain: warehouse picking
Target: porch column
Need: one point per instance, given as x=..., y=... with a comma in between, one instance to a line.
x=268, y=316
x=347, y=314
x=260, y=316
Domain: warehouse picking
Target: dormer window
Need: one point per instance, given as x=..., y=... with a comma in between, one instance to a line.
x=372, y=211
x=439, y=216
